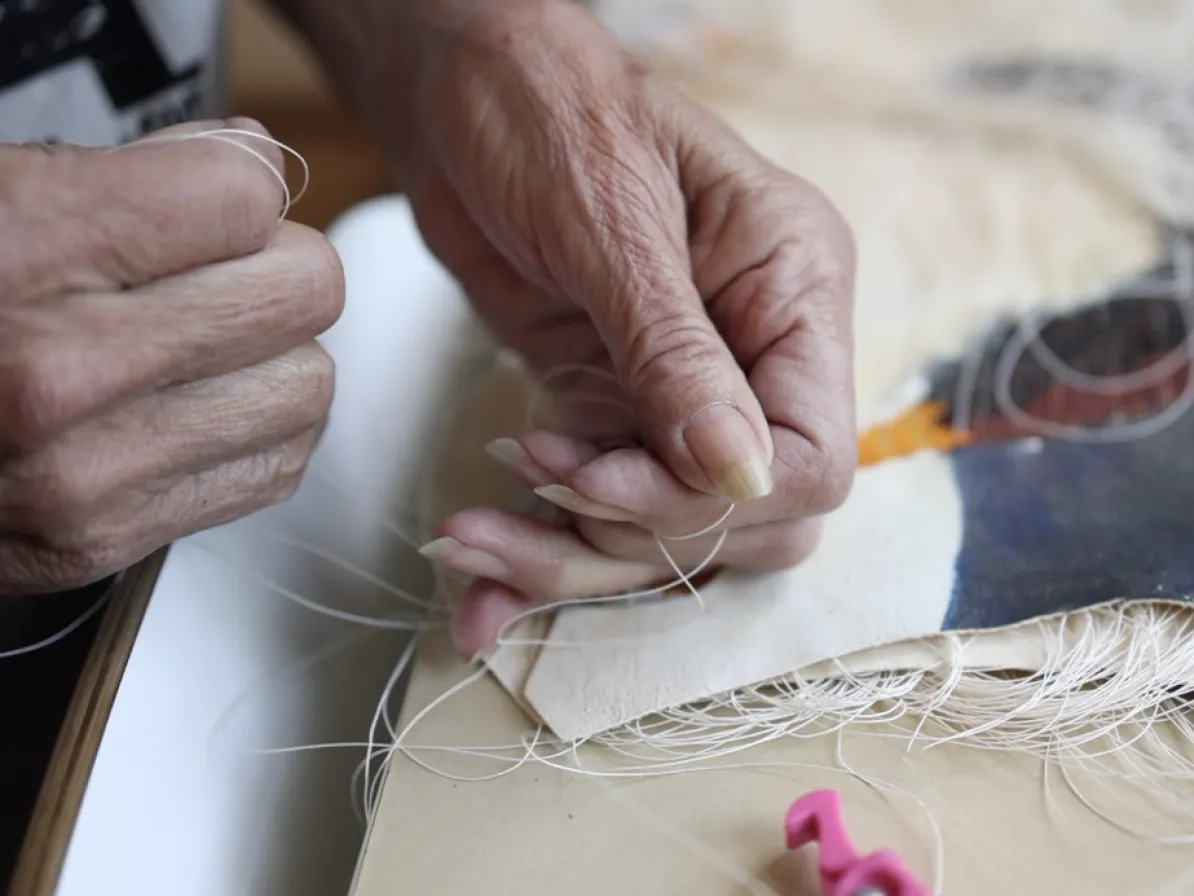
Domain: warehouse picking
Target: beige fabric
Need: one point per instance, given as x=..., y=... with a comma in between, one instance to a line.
x=542, y=832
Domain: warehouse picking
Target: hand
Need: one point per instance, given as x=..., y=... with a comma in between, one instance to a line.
x=158, y=369
x=594, y=214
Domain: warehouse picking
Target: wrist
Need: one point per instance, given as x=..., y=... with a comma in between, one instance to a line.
x=349, y=39
x=384, y=55
x=424, y=35
x=373, y=50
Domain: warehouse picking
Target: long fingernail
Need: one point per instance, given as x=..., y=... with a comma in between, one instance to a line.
x=562, y=496
x=513, y=456
x=470, y=560
x=508, y=452
x=726, y=447
x=439, y=548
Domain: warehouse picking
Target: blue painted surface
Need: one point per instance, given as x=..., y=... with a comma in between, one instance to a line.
x=1072, y=525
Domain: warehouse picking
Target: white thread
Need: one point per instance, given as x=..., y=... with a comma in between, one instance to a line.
x=1051, y=714
x=224, y=135
x=938, y=851
x=946, y=695
x=365, y=576
x=684, y=740
x=65, y=632
x=1026, y=340
x=379, y=715
x=1028, y=333
x=307, y=603
x=681, y=580
x=339, y=485
x=315, y=657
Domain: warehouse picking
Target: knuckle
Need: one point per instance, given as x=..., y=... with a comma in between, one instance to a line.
x=251, y=197
x=836, y=466
x=59, y=493
x=818, y=468
x=287, y=489
x=621, y=540
x=287, y=466
x=321, y=380
x=831, y=252
x=668, y=346
x=316, y=264
x=310, y=374
x=35, y=398
x=600, y=535
x=36, y=569
x=93, y=558
x=78, y=551
x=248, y=217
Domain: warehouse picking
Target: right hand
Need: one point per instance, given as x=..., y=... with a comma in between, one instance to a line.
x=159, y=373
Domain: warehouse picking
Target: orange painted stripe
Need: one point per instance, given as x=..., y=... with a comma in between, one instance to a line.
x=918, y=429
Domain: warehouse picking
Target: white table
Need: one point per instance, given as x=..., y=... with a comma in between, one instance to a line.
x=177, y=802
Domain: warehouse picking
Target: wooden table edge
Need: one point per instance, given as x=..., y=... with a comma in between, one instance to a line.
x=43, y=854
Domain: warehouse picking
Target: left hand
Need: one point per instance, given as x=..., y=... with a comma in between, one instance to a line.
x=594, y=214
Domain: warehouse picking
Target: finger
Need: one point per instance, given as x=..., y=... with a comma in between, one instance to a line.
x=485, y=609
x=64, y=361
x=762, y=548
x=775, y=263
x=77, y=220
x=624, y=485
x=544, y=476
x=91, y=549
x=694, y=406
x=547, y=564
x=544, y=563
x=180, y=431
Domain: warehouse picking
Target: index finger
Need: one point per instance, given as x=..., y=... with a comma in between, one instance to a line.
x=82, y=220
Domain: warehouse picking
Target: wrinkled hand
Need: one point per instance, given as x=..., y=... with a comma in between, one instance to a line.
x=595, y=215
x=158, y=370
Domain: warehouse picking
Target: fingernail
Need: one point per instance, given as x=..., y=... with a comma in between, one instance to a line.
x=470, y=560
x=480, y=656
x=726, y=447
x=564, y=497
x=515, y=458
x=508, y=452
x=440, y=548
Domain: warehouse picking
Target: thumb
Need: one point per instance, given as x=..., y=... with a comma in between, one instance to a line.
x=693, y=403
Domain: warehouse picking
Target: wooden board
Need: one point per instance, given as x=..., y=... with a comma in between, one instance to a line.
x=41, y=858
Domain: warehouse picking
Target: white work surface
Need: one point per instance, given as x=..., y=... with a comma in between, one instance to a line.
x=178, y=802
